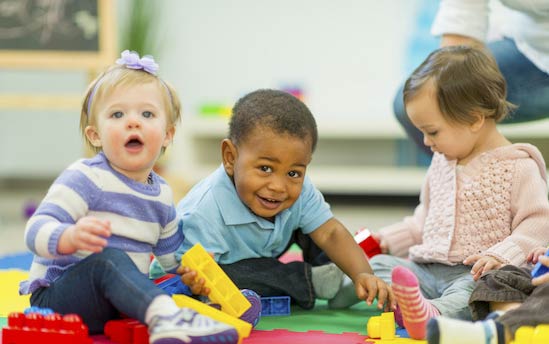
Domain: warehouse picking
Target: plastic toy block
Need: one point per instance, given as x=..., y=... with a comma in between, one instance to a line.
x=275, y=306
x=172, y=284
x=48, y=329
x=127, y=331
x=532, y=335
x=366, y=241
x=540, y=269
x=243, y=328
x=39, y=310
x=222, y=290
x=382, y=327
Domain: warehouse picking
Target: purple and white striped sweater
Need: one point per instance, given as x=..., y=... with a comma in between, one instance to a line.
x=142, y=216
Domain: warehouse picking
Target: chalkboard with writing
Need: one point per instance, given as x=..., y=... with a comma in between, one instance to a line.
x=61, y=33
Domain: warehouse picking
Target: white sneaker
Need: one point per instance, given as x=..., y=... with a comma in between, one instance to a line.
x=188, y=326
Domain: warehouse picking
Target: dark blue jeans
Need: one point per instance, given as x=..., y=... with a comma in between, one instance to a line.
x=527, y=88
x=270, y=277
x=99, y=288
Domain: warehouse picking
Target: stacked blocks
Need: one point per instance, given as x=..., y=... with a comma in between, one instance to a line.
x=382, y=327
x=45, y=329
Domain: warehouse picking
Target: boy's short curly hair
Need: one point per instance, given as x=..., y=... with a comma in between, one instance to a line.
x=274, y=109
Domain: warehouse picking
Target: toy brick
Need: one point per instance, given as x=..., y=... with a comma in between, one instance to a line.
x=532, y=335
x=275, y=306
x=172, y=284
x=540, y=269
x=366, y=241
x=382, y=327
x=222, y=290
x=243, y=328
x=126, y=331
x=48, y=329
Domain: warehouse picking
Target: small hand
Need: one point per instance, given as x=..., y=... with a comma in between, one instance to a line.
x=545, y=277
x=190, y=278
x=534, y=255
x=369, y=286
x=382, y=243
x=88, y=234
x=481, y=264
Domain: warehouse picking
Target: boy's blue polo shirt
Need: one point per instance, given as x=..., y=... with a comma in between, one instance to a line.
x=213, y=214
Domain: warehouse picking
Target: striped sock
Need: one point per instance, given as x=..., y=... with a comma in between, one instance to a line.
x=416, y=310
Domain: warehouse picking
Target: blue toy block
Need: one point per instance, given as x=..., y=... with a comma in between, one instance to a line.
x=540, y=269
x=275, y=306
x=174, y=285
x=38, y=310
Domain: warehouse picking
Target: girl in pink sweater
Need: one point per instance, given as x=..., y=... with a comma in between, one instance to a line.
x=484, y=201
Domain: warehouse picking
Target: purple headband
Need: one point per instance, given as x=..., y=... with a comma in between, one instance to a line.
x=131, y=60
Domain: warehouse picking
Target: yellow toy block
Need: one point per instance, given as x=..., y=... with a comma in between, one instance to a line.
x=222, y=290
x=382, y=326
x=243, y=328
x=532, y=335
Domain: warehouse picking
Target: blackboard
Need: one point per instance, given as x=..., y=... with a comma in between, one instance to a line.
x=59, y=33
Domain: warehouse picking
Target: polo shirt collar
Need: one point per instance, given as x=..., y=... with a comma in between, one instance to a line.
x=233, y=210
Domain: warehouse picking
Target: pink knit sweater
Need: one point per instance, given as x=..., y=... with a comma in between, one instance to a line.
x=495, y=205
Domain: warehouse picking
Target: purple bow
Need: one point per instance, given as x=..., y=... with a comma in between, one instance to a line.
x=131, y=60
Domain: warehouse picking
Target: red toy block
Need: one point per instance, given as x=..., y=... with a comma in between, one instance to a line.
x=366, y=241
x=49, y=329
x=127, y=331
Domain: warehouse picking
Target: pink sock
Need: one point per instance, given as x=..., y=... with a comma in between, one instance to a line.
x=416, y=310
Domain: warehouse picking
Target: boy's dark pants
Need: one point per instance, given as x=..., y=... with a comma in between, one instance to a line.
x=270, y=277
x=511, y=284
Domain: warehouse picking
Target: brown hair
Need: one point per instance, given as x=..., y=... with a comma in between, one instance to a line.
x=119, y=75
x=467, y=80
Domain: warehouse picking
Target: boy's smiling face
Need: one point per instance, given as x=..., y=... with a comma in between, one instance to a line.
x=268, y=169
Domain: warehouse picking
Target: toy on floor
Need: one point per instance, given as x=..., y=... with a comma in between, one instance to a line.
x=242, y=327
x=366, y=241
x=532, y=335
x=540, y=269
x=275, y=306
x=172, y=284
x=49, y=329
x=222, y=290
x=127, y=331
x=382, y=327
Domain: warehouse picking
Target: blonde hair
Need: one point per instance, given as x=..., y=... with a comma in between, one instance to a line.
x=119, y=75
x=467, y=81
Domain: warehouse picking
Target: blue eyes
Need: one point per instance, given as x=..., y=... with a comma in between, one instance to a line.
x=120, y=114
